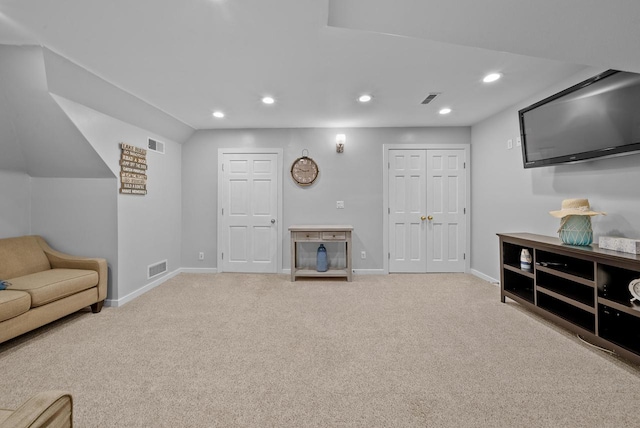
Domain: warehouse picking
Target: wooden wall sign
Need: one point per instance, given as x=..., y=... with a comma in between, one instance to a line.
x=133, y=170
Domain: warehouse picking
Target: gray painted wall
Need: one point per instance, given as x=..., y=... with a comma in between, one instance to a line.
x=148, y=226
x=355, y=177
x=507, y=198
x=15, y=190
x=77, y=216
x=11, y=156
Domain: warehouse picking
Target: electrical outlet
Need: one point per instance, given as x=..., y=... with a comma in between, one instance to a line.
x=363, y=254
x=340, y=205
x=200, y=255
x=518, y=141
x=509, y=143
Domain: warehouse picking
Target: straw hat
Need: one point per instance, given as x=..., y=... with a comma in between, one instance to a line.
x=575, y=207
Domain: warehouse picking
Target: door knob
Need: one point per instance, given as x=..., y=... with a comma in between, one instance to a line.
x=423, y=218
x=430, y=218
x=273, y=221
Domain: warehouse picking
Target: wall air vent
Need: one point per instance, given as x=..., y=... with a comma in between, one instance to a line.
x=156, y=269
x=155, y=145
x=430, y=97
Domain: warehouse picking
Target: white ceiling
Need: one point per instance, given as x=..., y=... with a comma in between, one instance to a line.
x=191, y=57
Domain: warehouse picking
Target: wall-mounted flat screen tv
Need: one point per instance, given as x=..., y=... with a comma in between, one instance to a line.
x=595, y=118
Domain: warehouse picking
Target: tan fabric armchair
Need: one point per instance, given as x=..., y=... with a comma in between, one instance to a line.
x=47, y=409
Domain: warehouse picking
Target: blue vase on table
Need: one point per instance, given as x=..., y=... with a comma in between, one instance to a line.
x=321, y=259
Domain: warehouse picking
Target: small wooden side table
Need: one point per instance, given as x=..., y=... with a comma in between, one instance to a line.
x=320, y=234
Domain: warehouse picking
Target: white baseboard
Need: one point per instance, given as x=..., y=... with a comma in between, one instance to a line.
x=286, y=271
x=129, y=297
x=483, y=276
x=369, y=271
x=198, y=270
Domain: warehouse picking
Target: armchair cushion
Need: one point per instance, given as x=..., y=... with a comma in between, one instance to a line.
x=46, y=409
x=13, y=303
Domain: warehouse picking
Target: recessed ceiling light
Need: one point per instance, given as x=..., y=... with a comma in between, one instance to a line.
x=365, y=98
x=491, y=77
x=268, y=100
x=445, y=110
x=218, y=114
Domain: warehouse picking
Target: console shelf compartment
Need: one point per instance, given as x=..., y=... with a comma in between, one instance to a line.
x=562, y=265
x=614, y=284
x=575, y=291
x=584, y=289
x=519, y=285
x=511, y=256
x=568, y=311
x=619, y=327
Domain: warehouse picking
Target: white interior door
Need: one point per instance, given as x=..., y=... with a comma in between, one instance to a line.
x=407, y=204
x=249, y=212
x=427, y=197
x=446, y=222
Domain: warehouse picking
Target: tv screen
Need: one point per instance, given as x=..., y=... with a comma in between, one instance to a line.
x=595, y=118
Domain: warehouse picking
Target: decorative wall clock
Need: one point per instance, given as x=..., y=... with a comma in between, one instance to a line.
x=304, y=170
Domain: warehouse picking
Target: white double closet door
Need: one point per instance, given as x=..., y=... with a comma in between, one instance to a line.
x=427, y=212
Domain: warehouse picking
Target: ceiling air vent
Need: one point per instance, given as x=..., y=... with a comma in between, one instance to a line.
x=156, y=269
x=430, y=97
x=155, y=145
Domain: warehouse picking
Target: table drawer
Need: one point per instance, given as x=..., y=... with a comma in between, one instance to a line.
x=307, y=236
x=337, y=236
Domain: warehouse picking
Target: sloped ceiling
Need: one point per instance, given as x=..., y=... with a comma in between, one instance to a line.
x=67, y=79
x=37, y=137
x=591, y=32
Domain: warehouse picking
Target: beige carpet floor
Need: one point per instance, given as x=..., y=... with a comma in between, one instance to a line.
x=238, y=350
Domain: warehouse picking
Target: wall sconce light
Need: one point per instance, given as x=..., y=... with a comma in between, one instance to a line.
x=340, y=140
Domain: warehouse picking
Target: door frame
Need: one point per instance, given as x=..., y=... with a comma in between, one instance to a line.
x=250, y=151
x=386, y=148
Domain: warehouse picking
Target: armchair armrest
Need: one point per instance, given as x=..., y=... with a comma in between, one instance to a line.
x=45, y=409
x=60, y=260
